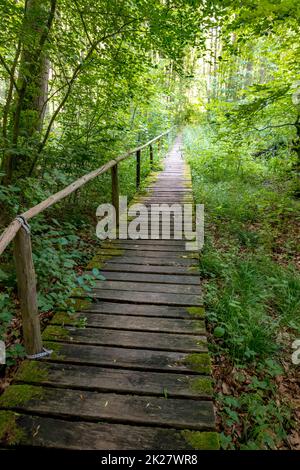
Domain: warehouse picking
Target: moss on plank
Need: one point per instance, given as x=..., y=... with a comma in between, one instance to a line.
x=202, y=385
x=95, y=262
x=193, y=269
x=18, y=395
x=56, y=350
x=55, y=332
x=202, y=440
x=203, y=343
x=191, y=256
x=78, y=304
x=10, y=432
x=199, y=362
x=109, y=252
x=32, y=371
x=63, y=318
x=196, y=311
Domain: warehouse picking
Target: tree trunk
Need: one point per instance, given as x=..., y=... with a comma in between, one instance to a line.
x=29, y=104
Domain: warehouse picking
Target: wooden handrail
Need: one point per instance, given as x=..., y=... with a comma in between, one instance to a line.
x=10, y=232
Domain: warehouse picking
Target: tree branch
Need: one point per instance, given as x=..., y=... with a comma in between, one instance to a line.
x=270, y=126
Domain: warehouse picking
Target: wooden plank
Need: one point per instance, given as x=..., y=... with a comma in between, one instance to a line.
x=147, y=287
x=49, y=433
x=163, y=311
x=145, y=277
x=137, y=246
x=112, y=356
x=149, y=261
x=134, y=323
x=134, y=245
x=145, y=268
x=158, y=298
x=111, y=407
x=103, y=379
x=176, y=256
x=127, y=339
x=165, y=243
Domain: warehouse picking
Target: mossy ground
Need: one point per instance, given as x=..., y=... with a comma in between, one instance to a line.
x=199, y=362
x=10, y=432
x=17, y=395
x=202, y=440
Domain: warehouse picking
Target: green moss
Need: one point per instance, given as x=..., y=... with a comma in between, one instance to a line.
x=202, y=385
x=202, y=440
x=77, y=304
x=196, y=311
x=198, y=325
x=193, y=269
x=56, y=348
x=63, y=318
x=199, y=362
x=110, y=252
x=10, y=432
x=32, y=371
x=191, y=256
x=17, y=395
x=203, y=343
x=95, y=263
x=55, y=332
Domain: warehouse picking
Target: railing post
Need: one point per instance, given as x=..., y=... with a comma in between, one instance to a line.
x=138, y=169
x=115, y=191
x=27, y=292
x=158, y=145
x=151, y=155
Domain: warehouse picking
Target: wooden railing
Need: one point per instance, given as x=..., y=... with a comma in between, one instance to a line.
x=19, y=231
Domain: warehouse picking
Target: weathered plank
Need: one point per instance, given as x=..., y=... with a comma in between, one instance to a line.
x=163, y=311
x=146, y=268
x=146, y=260
x=52, y=433
x=109, y=356
x=156, y=278
x=146, y=247
x=133, y=409
x=170, y=255
x=126, y=339
x=117, y=380
x=151, y=298
x=148, y=287
x=134, y=323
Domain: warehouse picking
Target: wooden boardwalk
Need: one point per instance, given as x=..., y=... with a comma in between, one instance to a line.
x=137, y=374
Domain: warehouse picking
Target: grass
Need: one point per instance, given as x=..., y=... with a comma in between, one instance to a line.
x=252, y=287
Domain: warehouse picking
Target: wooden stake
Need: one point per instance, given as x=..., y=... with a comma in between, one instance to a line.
x=27, y=292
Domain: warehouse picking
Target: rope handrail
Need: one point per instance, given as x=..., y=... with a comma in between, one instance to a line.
x=10, y=232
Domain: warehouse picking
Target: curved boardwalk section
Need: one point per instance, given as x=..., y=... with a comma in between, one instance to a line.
x=130, y=370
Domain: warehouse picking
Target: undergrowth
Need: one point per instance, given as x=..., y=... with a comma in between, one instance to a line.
x=252, y=288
